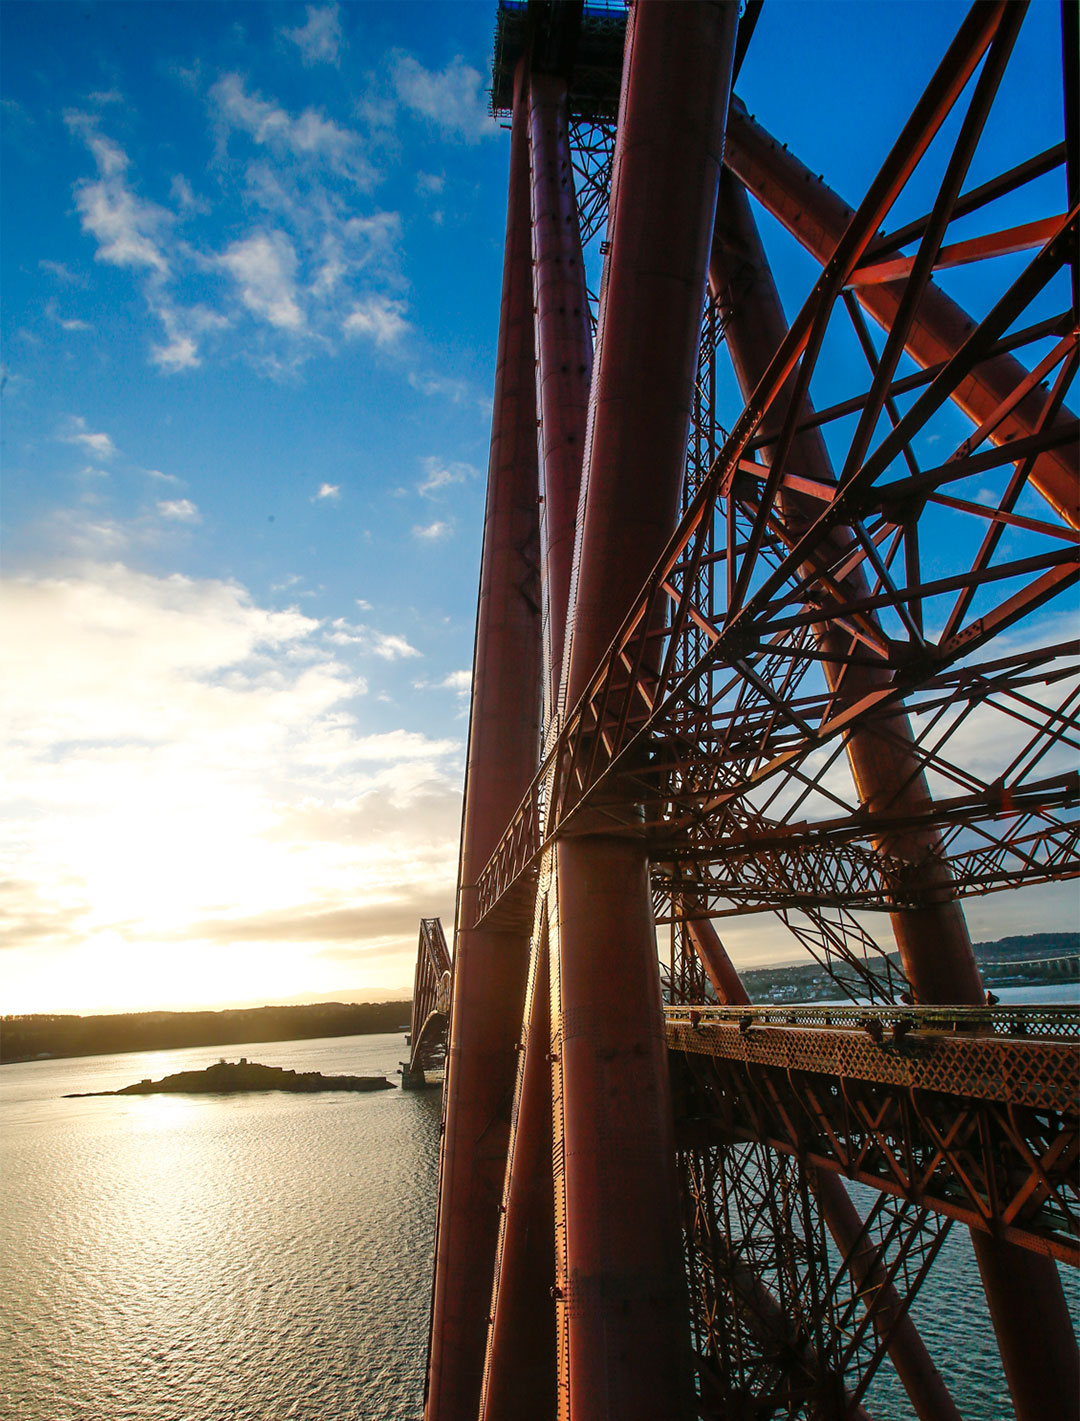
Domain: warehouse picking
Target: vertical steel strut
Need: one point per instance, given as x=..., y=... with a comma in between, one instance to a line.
x=624, y=1304
x=490, y=967
x=520, y=1365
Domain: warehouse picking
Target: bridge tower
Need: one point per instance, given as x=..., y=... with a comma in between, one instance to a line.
x=802, y=659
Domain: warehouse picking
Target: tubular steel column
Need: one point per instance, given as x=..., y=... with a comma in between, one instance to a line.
x=817, y=217
x=564, y=353
x=490, y=967
x=624, y=1307
x=934, y=942
x=519, y=1370
x=519, y=1374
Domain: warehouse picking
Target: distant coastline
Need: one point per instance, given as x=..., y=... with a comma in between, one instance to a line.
x=1035, y=959
x=27, y=1038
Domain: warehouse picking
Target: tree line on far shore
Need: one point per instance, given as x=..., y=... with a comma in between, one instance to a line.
x=27, y=1037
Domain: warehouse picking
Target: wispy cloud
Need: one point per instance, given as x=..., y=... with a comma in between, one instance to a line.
x=66, y=323
x=452, y=99
x=440, y=474
x=379, y=317
x=433, y=532
x=319, y=39
x=387, y=646
x=430, y=184
x=331, y=492
x=181, y=510
x=126, y=227
x=314, y=271
x=183, y=194
x=264, y=269
x=61, y=272
x=310, y=135
x=76, y=431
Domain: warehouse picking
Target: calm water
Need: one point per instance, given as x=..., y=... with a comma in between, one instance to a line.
x=267, y=1257
x=172, y=1258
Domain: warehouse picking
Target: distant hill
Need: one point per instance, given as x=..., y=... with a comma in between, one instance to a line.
x=1030, y=948
x=25, y=1037
x=1010, y=961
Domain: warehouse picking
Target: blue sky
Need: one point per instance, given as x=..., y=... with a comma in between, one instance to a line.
x=251, y=279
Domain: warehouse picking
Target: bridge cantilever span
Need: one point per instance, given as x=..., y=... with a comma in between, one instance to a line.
x=808, y=659
x=430, y=1004
x=972, y=1114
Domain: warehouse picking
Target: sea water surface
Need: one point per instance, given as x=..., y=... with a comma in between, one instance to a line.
x=200, y=1258
x=268, y=1257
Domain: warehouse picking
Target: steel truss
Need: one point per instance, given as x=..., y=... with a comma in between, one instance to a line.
x=782, y=1325
x=980, y=1128
x=845, y=687
x=431, y=999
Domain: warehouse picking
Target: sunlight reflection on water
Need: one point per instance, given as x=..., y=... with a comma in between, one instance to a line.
x=268, y=1257
x=174, y=1258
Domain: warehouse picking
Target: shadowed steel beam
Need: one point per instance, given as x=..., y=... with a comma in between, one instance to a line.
x=519, y=1369
x=817, y=217
x=490, y=968
x=563, y=351
x=520, y=1366
x=934, y=942
x=624, y=1307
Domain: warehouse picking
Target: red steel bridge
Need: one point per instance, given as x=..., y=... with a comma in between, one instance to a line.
x=802, y=656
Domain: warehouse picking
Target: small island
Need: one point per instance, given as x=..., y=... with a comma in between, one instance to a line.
x=232, y=1077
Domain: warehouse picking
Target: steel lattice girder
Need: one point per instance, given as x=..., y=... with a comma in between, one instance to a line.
x=982, y=1129
x=702, y=699
x=431, y=998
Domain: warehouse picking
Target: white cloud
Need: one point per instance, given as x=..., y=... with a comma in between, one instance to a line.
x=309, y=136
x=183, y=327
x=429, y=184
x=447, y=387
x=457, y=681
x=127, y=228
x=182, y=510
x=184, y=196
x=178, y=353
x=327, y=491
x=61, y=272
x=66, y=323
x=379, y=317
x=165, y=478
x=76, y=431
x=433, y=532
x=264, y=269
x=453, y=98
x=439, y=474
x=204, y=770
x=320, y=39
x=386, y=645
